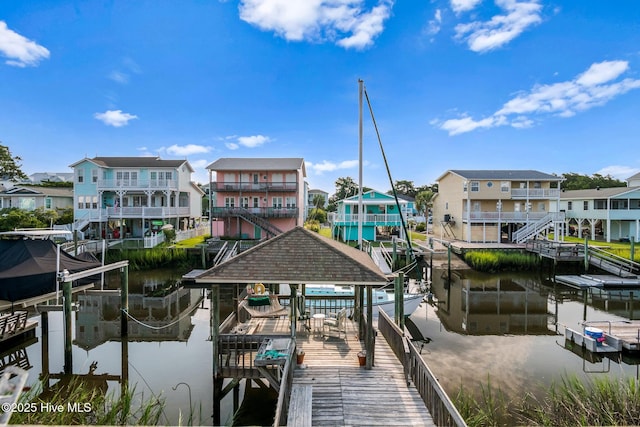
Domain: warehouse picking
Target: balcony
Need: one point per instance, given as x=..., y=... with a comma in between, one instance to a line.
x=505, y=217
x=534, y=193
x=236, y=187
x=369, y=219
x=131, y=212
x=137, y=184
x=232, y=212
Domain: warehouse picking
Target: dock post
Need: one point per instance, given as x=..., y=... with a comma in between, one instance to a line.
x=215, y=332
x=68, y=330
x=124, y=301
x=44, y=326
x=586, y=253
x=369, y=342
x=632, y=248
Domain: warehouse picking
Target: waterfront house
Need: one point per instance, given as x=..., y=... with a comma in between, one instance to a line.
x=258, y=197
x=119, y=197
x=32, y=197
x=609, y=214
x=381, y=214
x=311, y=194
x=473, y=205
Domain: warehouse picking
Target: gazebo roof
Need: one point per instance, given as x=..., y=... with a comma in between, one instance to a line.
x=298, y=256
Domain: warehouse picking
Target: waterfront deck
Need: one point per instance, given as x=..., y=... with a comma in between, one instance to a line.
x=345, y=393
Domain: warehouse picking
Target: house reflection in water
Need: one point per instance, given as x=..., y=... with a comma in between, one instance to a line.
x=163, y=312
x=480, y=304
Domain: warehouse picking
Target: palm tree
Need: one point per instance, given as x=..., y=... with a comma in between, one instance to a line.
x=423, y=201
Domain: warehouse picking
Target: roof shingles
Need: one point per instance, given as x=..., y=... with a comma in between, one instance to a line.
x=298, y=256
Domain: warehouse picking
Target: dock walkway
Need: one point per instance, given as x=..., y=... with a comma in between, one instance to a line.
x=346, y=394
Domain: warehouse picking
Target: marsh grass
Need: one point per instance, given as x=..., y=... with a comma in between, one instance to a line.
x=602, y=401
x=98, y=408
x=493, y=261
x=141, y=259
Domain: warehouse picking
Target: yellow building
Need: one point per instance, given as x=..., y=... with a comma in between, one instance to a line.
x=472, y=205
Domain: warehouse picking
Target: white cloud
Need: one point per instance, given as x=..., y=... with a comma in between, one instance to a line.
x=327, y=166
x=344, y=22
x=19, y=50
x=119, y=77
x=594, y=87
x=187, y=150
x=435, y=24
x=129, y=66
x=618, y=172
x=234, y=142
x=115, y=118
x=602, y=72
x=501, y=29
x=253, y=141
x=464, y=5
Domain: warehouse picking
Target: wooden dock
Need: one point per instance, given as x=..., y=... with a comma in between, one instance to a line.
x=628, y=332
x=346, y=394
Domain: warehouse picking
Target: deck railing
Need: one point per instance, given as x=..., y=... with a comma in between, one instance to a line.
x=442, y=409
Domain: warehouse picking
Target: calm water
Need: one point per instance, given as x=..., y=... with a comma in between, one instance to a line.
x=508, y=328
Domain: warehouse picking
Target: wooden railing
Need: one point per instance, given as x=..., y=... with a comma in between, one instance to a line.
x=12, y=323
x=442, y=409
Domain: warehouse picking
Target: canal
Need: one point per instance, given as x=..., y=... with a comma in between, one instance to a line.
x=508, y=329
x=503, y=328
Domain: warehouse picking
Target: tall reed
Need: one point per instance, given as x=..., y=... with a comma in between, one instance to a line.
x=493, y=261
x=75, y=402
x=602, y=401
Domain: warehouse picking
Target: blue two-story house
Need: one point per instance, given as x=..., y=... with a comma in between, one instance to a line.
x=380, y=213
x=120, y=197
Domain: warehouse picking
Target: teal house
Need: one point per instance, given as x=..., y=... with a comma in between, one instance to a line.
x=380, y=219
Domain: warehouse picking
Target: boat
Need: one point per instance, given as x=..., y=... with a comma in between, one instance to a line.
x=382, y=298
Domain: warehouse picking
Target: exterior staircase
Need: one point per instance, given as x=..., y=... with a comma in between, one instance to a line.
x=269, y=228
x=533, y=229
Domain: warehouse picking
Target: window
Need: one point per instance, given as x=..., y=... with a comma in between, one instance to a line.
x=229, y=202
x=80, y=176
x=600, y=204
x=464, y=186
x=537, y=184
x=290, y=202
x=505, y=186
x=94, y=176
x=276, y=202
x=585, y=205
x=80, y=202
x=47, y=203
x=256, y=179
x=94, y=202
x=256, y=201
x=244, y=202
x=475, y=186
x=620, y=204
x=475, y=206
x=569, y=206
x=489, y=184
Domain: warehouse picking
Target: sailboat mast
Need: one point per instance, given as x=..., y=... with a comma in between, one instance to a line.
x=360, y=204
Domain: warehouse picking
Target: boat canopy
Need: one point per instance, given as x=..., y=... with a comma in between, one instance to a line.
x=28, y=268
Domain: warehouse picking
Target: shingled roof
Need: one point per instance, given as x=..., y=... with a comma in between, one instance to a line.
x=298, y=256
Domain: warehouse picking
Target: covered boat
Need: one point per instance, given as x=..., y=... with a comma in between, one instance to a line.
x=28, y=268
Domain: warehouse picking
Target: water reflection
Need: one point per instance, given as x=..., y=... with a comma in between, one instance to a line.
x=489, y=305
x=160, y=313
x=509, y=329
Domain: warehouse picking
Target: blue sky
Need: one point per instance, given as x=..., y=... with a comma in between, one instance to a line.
x=454, y=84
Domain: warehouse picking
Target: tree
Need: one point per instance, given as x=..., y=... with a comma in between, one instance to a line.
x=10, y=165
x=345, y=187
x=423, y=201
x=404, y=187
x=574, y=181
